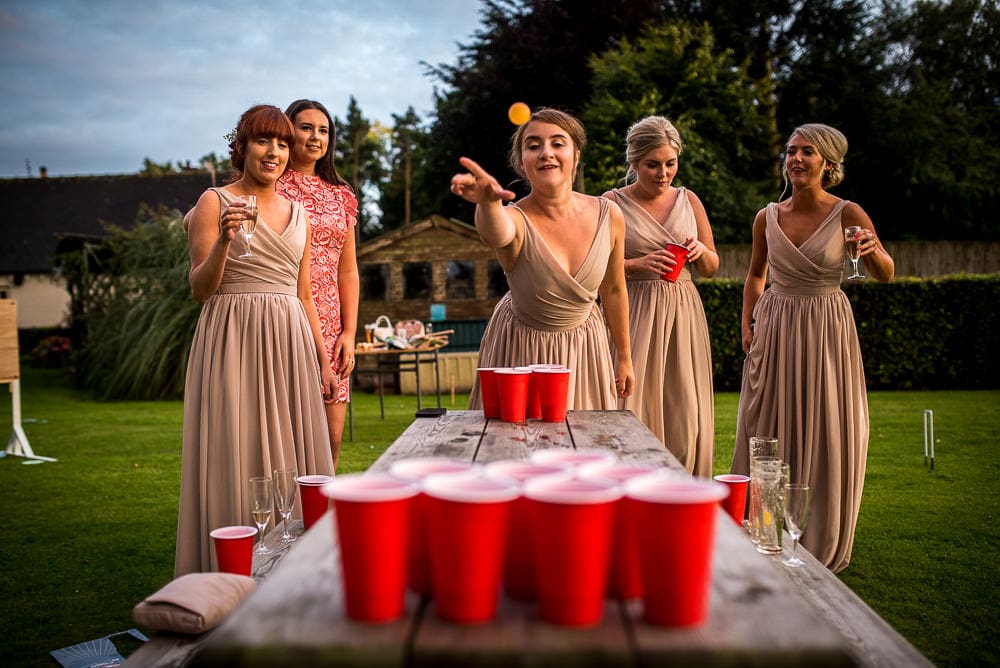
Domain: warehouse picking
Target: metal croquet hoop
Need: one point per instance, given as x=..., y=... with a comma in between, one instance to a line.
x=929, y=436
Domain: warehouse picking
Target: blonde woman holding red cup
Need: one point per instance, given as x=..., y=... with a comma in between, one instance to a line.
x=671, y=353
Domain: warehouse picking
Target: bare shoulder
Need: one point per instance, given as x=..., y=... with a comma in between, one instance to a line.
x=853, y=214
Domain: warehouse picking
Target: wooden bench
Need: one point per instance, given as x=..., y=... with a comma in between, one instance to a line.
x=171, y=650
x=762, y=613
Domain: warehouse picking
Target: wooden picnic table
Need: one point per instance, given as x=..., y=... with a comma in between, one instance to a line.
x=762, y=613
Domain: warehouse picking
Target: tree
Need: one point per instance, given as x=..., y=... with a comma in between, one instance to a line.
x=150, y=168
x=357, y=155
x=533, y=51
x=403, y=198
x=676, y=70
x=934, y=149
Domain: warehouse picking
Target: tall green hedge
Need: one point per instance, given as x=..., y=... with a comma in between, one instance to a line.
x=915, y=333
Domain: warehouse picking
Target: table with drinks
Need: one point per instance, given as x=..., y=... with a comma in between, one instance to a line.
x=483, y=541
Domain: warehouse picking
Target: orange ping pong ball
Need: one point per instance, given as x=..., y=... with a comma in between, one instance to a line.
x=519, y=113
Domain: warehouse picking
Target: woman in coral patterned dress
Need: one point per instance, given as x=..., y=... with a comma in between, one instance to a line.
x=312, y=180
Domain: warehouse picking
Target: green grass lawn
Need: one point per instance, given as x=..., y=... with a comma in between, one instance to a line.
x=85, y=538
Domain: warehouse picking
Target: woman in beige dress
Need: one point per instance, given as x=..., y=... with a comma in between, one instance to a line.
x=257, y=372
x=803, y=380
x=671, y=351
x=560, y=249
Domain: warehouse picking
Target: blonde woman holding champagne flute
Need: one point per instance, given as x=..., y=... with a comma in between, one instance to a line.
x=803, y=379
x=258, y=371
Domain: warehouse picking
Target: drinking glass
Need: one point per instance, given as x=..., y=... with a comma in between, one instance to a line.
x=760, y=446
x=284, y=498
x=249, y=224
x=796, y=515
x=851, y=235
x=261, y=507
x=766, y=476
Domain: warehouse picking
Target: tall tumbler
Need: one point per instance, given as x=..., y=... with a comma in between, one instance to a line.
x=771, y=506
x=760, y=446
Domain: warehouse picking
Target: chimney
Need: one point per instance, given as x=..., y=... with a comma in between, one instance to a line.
x=43, y=172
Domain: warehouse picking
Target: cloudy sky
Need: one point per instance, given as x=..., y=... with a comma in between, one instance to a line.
x=96, y=86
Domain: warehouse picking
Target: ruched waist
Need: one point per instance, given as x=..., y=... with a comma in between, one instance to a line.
x=685, y=275
x=804, y=290
x=554, y=320
x=244, y=288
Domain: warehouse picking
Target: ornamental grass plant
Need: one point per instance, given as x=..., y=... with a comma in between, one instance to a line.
x=85, y=538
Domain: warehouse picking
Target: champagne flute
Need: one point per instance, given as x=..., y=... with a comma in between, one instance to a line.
x=284, y=496
x=796, y=515
x=249, y=224
x=851, y=236
x=261, y=507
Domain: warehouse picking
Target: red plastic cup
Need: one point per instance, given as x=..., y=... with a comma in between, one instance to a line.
x=314, y=504
x=512, y=389
x=234, y=549
x=676, y=564
x=519, y=559
x=680, y=257
x=468, y=516
x=418, y=566
x=735, y=503
x=372, y=512
x=572, y=456
x=553, y=393
x=534, y=410
x=488, y=391
x=624, y=577
x=572, y=522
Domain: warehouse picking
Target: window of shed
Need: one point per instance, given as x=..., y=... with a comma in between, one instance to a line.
x=461, y=279
x=417, y=280
x=374, y=282
x=497, y=280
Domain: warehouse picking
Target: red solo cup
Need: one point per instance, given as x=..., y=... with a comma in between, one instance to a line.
x=553, y=393
x=488, y=391
x=532, y=409
x=314, y=504
x=418, y=566
x=372, y=512
x=512, y=388
x=468, y=515
x=735, y=503
x=680, y=257
x=676, y=564
x=572, y=522
x=234, y=549
x=624, y=577
x=572, y=456
x=519, y=560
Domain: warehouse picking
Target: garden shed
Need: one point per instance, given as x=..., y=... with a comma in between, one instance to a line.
x=438, y=271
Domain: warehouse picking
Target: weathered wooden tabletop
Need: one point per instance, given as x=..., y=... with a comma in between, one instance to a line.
x=762, y=613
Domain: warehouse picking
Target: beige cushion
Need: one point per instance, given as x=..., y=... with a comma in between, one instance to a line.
x=193, y=603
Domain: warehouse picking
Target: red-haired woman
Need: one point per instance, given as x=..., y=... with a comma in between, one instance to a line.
x=257, y=361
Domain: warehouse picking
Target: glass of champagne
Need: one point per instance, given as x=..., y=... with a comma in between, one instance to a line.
x=249, y=224
x=261, y=507
x=284, y=497
x=851, y=235
x=796, y=515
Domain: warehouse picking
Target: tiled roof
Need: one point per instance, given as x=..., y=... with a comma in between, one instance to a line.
x=40, y=211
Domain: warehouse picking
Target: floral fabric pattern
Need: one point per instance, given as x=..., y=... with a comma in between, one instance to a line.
x=333, y=213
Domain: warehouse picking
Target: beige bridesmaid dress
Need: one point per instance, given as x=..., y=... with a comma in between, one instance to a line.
x=804, y=382
x=252, y=397
x=671, y=349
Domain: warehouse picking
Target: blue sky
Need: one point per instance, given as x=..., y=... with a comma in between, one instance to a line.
x=96, y=86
